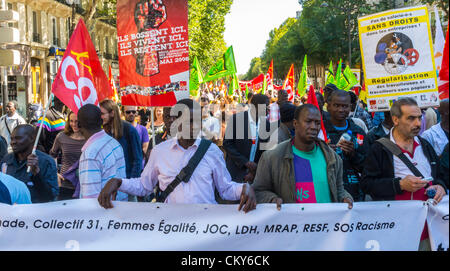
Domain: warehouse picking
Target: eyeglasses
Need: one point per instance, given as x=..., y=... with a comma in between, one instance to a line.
x=131, y=112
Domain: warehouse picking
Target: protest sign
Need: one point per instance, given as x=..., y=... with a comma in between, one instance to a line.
x=398, y=59
x=84, y=225
x=153, y=49
x=437, y=220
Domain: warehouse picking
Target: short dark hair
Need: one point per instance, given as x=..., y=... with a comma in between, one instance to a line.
x=29, y=129
x=338, y=93
x=287, y=112
x=299, y=110
x=353, y=97
x=396, y=108
x=90, y=117
x=260, y=99
x=328, y=90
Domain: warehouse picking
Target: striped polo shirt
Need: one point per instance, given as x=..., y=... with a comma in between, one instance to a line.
x=101, y=159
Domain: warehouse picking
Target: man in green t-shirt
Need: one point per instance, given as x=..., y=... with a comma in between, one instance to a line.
x=304, y=170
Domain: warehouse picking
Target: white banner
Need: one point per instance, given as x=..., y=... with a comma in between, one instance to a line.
x=398, y=60
x=84, y=225
x=437, y=220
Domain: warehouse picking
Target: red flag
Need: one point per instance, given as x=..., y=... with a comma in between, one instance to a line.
x=269, y=76
x=443, y=74
x=312, y=99
x=81, y=79
x=114, y=96
x=289, y=83
x=257, y=83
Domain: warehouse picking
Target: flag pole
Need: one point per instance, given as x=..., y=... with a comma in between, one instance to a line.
x=36, y=141
x=153, y=126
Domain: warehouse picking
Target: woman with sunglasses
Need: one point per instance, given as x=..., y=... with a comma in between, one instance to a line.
x=67, y=146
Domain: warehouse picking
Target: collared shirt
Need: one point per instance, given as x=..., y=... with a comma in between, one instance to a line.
x=43, y=186
x=274, y=112
x=417, y=158
x=101, y=160
x=7, y=125
x=17, y=190
x=166, y=161
x=437, y=138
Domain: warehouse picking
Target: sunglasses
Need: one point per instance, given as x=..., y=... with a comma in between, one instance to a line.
x=131, y=112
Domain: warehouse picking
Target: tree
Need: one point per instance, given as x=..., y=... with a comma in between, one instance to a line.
x=206, y=28
x=254, y=70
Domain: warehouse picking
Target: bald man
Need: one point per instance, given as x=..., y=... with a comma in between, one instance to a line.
x=42, y=180
x=437, y=135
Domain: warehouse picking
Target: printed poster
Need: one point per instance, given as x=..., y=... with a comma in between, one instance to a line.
x=397, y=53
x=153, y=47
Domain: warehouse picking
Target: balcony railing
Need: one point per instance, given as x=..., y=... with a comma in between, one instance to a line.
x=115, y=57
x=37, y=37
x=108, y=56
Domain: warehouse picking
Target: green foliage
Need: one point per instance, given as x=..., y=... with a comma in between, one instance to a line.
x=206, y=28
x=254, y=70
x=285, y=46
x=322, y=33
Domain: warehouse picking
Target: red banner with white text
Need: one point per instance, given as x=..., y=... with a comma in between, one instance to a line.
x=153, y=49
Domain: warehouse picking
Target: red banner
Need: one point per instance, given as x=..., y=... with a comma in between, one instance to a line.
x=258, y=82
x=289, y=83
x=153, y=49
x=443, y=74
x=81, y=79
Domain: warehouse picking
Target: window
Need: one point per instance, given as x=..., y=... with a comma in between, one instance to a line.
x=36, y=34
x=55, y=41
x=106, y=45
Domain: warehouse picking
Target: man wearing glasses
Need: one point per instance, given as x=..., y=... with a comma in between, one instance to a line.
x=130, y=116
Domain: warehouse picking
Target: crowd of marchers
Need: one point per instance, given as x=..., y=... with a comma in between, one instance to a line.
x=214, y=150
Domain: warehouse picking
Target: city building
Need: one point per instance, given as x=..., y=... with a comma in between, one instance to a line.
x=44, y=27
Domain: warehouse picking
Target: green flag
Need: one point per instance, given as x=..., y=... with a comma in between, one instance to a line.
x=350, y=78
x=263, y=91
x=225, y=66
x=234, y=85
x=330, y=77
x=340, y=80
x=195, y=78
x=302, y=82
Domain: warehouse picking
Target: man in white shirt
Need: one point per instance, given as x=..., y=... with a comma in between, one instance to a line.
x=9, y=121
x=167, y=160
x=437, y=135
x=210, y=125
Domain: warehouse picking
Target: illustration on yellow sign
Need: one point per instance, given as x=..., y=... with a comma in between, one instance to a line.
x=395, y=51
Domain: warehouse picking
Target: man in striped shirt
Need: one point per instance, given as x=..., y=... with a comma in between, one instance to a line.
x=102, y=156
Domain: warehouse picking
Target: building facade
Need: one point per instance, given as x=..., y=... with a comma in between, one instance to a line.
x=44, y=27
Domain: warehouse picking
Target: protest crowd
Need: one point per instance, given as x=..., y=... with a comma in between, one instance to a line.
x=229, y=143
x=107, y=152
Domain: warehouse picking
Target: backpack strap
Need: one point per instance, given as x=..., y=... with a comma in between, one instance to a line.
x=186, y=173
x=395, y=150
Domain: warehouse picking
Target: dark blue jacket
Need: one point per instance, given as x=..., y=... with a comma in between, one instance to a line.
x=44, y=186
x=132, y=150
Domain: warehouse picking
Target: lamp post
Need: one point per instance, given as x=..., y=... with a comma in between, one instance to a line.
x=347, y=11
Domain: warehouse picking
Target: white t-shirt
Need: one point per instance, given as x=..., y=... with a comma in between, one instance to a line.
x=419, y=160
